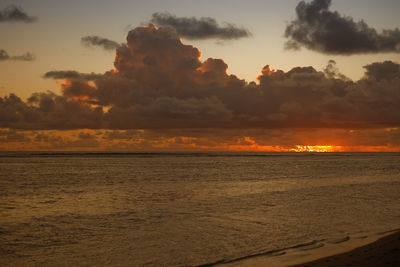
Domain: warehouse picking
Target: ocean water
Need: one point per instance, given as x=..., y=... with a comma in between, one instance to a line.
x=187, y=209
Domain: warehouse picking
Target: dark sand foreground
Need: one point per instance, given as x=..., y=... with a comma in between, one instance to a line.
x=383, y=252
x=374, y=251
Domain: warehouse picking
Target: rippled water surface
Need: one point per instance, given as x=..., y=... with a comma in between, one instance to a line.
x=186, y=209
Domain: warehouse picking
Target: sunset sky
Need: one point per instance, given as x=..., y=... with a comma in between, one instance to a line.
x=227, y=75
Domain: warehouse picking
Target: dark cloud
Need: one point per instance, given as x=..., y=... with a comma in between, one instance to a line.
x=24, y=57
x=203, y=28
x=104, y=43
x=383, y=71
x=47, y=111
x=160, y=83
x=15, y=14
x=71, y=75
x=331, y=71
x=320, y=29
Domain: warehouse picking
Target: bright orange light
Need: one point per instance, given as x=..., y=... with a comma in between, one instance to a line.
x=82, y=98
x=315, y=149
x=114, y=70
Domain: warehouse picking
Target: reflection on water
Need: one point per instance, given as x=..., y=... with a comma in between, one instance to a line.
x=187, y=209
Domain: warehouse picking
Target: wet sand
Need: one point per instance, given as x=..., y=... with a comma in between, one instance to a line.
x=383, y=252
x=374, y=250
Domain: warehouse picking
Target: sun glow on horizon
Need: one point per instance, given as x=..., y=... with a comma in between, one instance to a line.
x=302, y=148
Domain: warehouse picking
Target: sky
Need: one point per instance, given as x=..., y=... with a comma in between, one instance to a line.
x=282, y=75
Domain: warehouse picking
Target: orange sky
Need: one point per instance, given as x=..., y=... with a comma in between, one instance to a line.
x=148, y=140
x=156, y=91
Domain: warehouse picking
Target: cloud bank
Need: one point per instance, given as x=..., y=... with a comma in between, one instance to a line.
x=320, y=29
x=15, y=14
x=24, y=57
x=284, y=140
x=160, y=84
x=106, y=44
x=204, y=28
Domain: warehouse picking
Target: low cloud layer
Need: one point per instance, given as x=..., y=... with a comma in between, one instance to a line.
x=106, y=44
x=15, y=14
x=160, y=83
x=202, y=28
x=283, y=140
x=320, y=29
x=24, y=57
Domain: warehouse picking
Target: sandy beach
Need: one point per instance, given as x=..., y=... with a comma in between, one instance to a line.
x=383, y=252
x=381, y=249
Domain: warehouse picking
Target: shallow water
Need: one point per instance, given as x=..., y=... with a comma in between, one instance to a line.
x=187, y=209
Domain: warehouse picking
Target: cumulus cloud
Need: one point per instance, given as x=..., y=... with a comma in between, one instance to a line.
x=71, y=75
x=331, y=71
x=387, y=70
x=160, y=83
x=47, y=111
x=102, y=42
x=320, y=29
x=24, y=57
x=15, y=14
x=202, y=28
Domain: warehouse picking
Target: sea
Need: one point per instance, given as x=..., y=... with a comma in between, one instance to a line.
x=187, y=209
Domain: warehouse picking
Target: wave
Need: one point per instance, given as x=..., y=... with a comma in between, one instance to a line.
x=275, y=252
x=315, y=244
